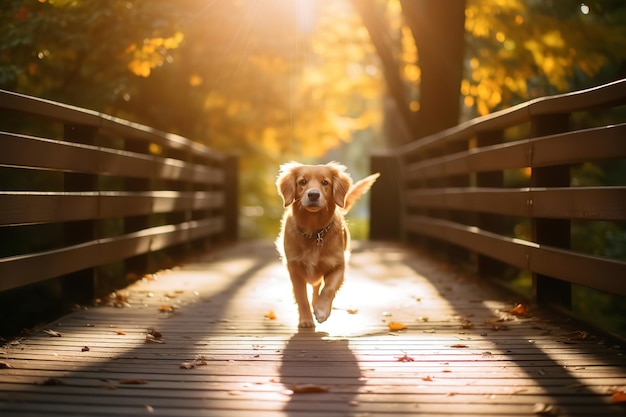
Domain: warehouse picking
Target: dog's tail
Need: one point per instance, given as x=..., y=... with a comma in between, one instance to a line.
x=358, y=189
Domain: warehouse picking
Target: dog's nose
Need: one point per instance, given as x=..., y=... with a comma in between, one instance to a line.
x=313, y=195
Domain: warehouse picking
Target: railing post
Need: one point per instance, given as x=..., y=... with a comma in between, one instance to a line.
x=139, y=264
x=80, y=286
x=231, y=203
x=551, y=232
x=485, y=265
x=457, y=254
x=386, y=207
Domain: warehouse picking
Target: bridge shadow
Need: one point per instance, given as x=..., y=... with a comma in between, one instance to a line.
x=318, y=370
x=548, y=371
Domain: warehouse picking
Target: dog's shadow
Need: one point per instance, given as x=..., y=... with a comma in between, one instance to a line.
x=322, y=372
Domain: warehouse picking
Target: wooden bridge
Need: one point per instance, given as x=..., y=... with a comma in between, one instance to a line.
x=420, y=328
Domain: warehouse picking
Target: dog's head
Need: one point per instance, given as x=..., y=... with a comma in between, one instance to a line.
x=313, y=187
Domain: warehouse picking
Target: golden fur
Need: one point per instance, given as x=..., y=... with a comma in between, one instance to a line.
x=314, y=240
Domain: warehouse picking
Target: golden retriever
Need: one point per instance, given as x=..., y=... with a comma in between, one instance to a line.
x=314, y=240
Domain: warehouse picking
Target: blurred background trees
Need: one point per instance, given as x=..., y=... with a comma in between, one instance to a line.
x=275, y=80
x=315, y=80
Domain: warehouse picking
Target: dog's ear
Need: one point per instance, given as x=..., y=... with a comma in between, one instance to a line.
x=286, y=182
x=341, y=183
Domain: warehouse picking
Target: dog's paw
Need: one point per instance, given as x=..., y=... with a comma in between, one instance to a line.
x=306, y=323
x=322, y=310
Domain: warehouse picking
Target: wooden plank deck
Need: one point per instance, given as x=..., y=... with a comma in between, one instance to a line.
x=219, y=354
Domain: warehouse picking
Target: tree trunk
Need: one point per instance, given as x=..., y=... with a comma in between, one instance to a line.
x=438, y=28
x=371, y=17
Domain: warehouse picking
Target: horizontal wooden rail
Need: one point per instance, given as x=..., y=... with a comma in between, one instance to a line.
x=588, y=203
x=468, y=188
x=27, y=207
x=80, y=190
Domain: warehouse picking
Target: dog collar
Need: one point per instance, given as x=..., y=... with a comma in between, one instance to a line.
x=317, y=235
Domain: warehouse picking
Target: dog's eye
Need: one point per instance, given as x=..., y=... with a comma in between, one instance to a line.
x=325, y=182
x=302, y=182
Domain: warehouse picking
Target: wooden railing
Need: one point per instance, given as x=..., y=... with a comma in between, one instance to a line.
x=498, y=191
x=98, y=190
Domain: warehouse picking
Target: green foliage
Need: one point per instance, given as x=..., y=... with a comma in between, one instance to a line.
x=521, y=49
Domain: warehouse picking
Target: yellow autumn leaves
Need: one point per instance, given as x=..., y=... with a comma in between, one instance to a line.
x=153, y=52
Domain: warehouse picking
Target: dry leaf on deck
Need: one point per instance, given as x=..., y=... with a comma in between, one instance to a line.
x=405, y=358
x=307, y=388
x=352, y=310
x=466, y=324
x=154, y=336
x=519, y=310
x=427, y=378
x=132, y=381
x=120, y=332
x=544, y=409
x=579, y=335
x=52, y=381
x=270, y=315
x=167, y=308
x=459, y=345
x=52, y=333
x=619, y=396
x=85, y=349
x=395, y=326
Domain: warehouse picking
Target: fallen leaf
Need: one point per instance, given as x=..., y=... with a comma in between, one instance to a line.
x=544, y=409
x=395, y=326
x=466, y=324
x=52, y=333
x=307, y=388
x=133, y=381
x=167, y=308
x=154, y=336
x=187, y=365
x=270, y=315
x=405, y=358
x=427, y=378
x=618, y=396
x=498, y=327
x=120, y=332
x=579, y=335
x=155, y=333
x=52, y=381
x=118, y=299
x=352, y=310
x=519, y=310
x=85, y=349
x=459, y=345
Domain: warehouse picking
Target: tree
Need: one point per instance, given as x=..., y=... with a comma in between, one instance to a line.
x=489, y=54
x=438, y=34
x=272, y=80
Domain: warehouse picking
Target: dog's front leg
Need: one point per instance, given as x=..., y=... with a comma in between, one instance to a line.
x=324, y=303
x=302, y=299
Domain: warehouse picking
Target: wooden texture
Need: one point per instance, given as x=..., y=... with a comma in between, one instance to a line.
x=510, y=189
x=119, y=191
x=221, y=354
